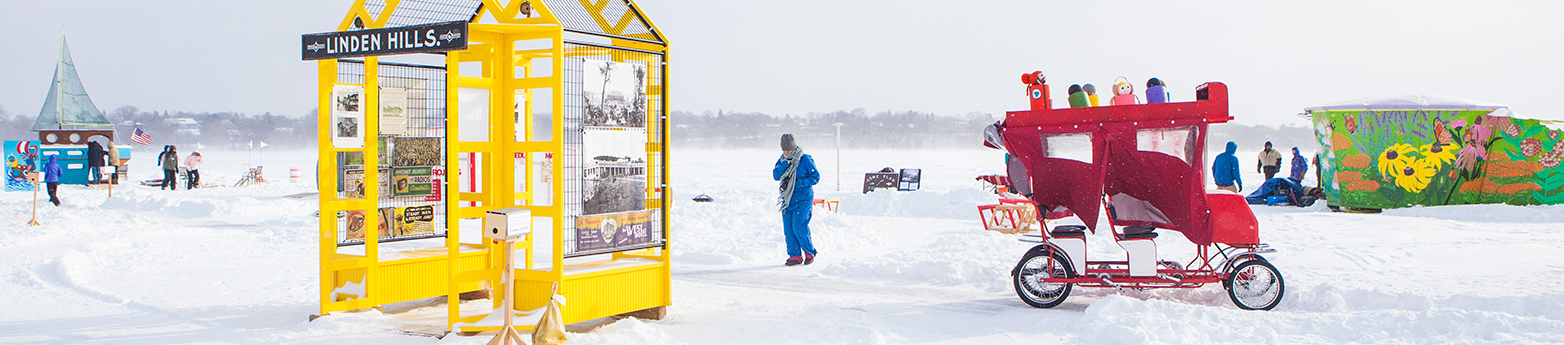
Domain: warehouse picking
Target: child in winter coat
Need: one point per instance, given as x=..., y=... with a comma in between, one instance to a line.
x=51, y=177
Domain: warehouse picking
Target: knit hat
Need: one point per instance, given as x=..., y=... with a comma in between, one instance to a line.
x=787, y=143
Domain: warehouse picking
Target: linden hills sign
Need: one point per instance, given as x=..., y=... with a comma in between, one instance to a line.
x=427, y=38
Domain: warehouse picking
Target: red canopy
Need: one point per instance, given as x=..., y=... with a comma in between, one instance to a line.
x=1148, y=159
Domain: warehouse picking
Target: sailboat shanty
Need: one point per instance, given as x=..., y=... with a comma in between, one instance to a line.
x=69, y=121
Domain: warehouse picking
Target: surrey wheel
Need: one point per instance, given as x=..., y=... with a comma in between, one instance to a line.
x=1255, y=285
x=1034, y=267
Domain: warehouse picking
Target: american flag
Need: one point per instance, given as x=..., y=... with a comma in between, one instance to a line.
x=141, y=137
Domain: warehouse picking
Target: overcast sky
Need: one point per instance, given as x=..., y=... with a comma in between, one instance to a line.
x=797, y=57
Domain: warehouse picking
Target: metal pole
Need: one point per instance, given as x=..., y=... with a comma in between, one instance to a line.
x=838, y=156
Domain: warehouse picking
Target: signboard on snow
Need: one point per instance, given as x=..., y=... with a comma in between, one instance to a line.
x=21, y=157
x=427, y=38
x=622, y=230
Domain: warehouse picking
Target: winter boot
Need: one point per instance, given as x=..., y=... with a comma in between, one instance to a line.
x=794, y=261
x=809, y=259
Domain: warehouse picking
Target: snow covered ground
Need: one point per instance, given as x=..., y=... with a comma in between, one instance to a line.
x=238, y=265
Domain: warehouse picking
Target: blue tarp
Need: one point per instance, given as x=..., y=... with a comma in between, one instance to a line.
x=1269, y=189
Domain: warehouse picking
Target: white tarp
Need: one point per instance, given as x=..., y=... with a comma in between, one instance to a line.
x=1409, y=101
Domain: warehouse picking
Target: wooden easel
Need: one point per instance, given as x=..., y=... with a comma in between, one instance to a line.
x=508, y=334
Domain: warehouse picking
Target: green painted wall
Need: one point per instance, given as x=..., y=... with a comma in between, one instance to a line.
x=1398, y=158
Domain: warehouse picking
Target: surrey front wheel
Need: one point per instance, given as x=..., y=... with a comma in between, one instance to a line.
x=1037, y=265
x=1255, y=285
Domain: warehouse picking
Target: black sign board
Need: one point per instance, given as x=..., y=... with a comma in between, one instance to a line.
x=427, y=38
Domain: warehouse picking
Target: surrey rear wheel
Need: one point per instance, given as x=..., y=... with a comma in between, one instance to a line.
x=1034, y=267
x=1255, y=285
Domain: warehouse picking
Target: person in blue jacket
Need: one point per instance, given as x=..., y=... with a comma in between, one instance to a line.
x=1300, y=166
x=797, y=176
x=1225, y=170
x=51, y=177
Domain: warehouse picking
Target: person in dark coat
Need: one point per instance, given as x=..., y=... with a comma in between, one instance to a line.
x=51, y=177
x=1225, y=170
x=95, y=155
x=1300, y=166
x=797, y=176
x=169, y=159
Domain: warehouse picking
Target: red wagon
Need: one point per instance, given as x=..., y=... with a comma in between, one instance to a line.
x=1144, y=164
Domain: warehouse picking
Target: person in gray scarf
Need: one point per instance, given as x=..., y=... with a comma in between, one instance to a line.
x=796, y=176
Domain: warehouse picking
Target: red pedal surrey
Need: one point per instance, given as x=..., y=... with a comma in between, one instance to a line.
x=1144, y=164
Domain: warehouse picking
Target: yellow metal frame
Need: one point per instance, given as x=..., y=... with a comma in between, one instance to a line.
x=594, y=289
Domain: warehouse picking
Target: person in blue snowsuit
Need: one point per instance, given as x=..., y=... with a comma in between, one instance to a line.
x=797, y=176
x=1300, y=166
x=1225, y=170
x=51, y=177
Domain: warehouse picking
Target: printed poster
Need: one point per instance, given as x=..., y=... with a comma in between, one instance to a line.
x=416, y=151
x=355, y=225
x=412, y=181
x=415, y=220
x=614, y=230
x=21, y=157
x=353, y=184
x=393, y=111
x=347, y=117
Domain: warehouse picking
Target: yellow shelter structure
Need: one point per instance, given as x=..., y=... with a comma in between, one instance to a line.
x=557, y=107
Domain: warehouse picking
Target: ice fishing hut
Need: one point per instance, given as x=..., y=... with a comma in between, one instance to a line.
x=69, y=120
x=557, y=107
x=1393, y=152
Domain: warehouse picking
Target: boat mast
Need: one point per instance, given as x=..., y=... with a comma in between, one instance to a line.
x=59, y=86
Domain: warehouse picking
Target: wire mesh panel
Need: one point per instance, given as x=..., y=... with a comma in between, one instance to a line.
x=606, y=17
x=612, y=104
x=415, y=12
x=410, y=158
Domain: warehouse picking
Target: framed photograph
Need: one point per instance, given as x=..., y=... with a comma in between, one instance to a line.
x=614, y=174
x=347, y=117
x=615, y=94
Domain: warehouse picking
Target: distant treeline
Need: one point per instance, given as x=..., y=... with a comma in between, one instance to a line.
x=860, y=130
x=228, y=130
x=907, y=130
x=887, y=130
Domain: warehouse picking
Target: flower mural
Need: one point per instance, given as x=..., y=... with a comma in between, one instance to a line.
x=1388, y=158
x=1440, y=154
x=1415, y=176
x=1395, y=159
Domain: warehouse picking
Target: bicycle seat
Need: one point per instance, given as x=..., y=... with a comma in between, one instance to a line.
x=1139, y=232
x=1068, y=231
